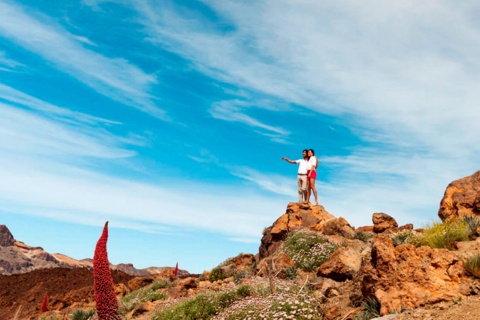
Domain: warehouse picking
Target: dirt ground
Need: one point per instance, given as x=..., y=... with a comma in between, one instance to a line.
x=65, y=289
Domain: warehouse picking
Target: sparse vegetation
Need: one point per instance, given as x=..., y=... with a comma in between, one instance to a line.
x=276, y=306
x=371, y=309
x=148, y=293
x=82, y=315
x=363, y=236
x=238, y=277
x=308, y=249
x=246, y=302
x=472, y=223
x=202, y=306
x=444, y=235
x=216, y=274
x=472, y=265
x=291, y=273
x=402, y=237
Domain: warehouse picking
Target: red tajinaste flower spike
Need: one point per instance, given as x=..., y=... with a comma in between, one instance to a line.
x=105, y=299
x=175, y=271
x=44, y=305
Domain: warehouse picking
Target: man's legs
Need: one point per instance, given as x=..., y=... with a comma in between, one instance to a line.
x=302, y=188
x=300, y=192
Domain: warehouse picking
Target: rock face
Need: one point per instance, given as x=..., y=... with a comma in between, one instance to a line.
x=409, y=277
x=461, y=198
x=345, y=263
x=298, y=215
x=383, y=222
x=6, y=238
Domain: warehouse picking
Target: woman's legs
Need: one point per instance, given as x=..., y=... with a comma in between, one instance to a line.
x=311, y=186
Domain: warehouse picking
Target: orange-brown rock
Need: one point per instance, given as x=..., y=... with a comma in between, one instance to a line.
x=139, y=282
x=383, y=222
x=461, y=198
x=409, y=277
x=336, y=226
x=297, y=215
x=343, y=264
x=368, y=229
x=276, y=266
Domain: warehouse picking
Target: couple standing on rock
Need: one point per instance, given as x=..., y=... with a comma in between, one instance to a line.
x=306, y=175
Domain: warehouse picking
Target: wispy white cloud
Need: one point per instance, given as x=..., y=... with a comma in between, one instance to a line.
x=82, y=196
x=7, y=64
x=114, y=77
x=274, y=183
x=234, y=111
x=16, y=97
x=204, y=157
x=401, y=72
x=33, y=128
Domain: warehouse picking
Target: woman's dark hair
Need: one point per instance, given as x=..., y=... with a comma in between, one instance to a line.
x=313, y=152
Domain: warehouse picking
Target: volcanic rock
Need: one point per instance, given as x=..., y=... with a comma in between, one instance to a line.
x=383, y=222
x=297, y=216
x=343, y=264
x=461, y=198
x=6, y=237
x=409, y=277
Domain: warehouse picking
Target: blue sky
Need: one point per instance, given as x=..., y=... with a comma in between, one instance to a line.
x=170, y=118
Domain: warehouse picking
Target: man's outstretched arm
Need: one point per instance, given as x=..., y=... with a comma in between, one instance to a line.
x=288, y=160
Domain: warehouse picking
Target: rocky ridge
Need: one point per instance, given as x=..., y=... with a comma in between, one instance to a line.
x=17, y=257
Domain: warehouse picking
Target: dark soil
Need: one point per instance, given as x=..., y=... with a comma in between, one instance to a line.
x=65, y=288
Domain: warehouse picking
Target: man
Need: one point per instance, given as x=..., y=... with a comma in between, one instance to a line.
x=302, y=175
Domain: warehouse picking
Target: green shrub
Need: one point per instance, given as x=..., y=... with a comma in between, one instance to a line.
x=244, y=290
x=202, y=306
x=82, y=315
x=438, y=235
x=159, y=284
x=238, y=277
x=308, y=249
x=472, y=265
x=363, y=236
x=291, y=273
x=216, y=274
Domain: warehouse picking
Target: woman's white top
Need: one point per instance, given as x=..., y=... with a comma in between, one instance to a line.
x=312, y=163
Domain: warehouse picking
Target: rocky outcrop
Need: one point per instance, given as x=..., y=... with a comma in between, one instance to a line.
x=461, y=198
x=297, y=216
x=383, y=222
x=6, y=238
x=405, y=277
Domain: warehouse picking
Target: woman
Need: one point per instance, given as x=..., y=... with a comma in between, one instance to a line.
x=312, y=175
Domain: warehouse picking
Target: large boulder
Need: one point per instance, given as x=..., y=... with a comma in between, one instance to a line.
x=343, y=264
x=461, y=198
x=336, y=226
x=297, y=216
x=409, y=277
x=383, y=222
